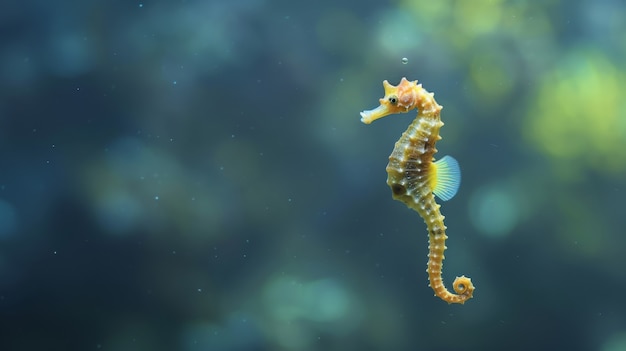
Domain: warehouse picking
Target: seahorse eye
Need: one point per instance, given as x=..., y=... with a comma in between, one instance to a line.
x=393, y=99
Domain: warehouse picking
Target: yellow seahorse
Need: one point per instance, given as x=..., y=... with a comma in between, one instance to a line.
x=414, y=177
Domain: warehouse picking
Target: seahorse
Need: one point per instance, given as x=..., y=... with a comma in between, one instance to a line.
x=415, y=179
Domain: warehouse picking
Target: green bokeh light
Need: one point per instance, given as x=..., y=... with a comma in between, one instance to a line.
x=579, y=114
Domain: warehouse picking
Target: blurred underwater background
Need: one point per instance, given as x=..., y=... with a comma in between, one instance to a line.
x=193, y=175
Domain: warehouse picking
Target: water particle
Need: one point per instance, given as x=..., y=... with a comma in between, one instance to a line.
x=405, y=60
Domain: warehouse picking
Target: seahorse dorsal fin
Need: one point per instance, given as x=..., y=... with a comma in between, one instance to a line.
x=448, y=178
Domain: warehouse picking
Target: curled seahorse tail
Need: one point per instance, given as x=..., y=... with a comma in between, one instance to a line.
x=462, y=285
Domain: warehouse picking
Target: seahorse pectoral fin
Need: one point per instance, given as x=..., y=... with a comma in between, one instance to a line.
x=448, y=178
x=369, y=116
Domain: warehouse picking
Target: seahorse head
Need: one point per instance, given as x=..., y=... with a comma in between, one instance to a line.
x=398, y=99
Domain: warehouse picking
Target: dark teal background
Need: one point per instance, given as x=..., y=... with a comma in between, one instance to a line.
x=194, y=175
